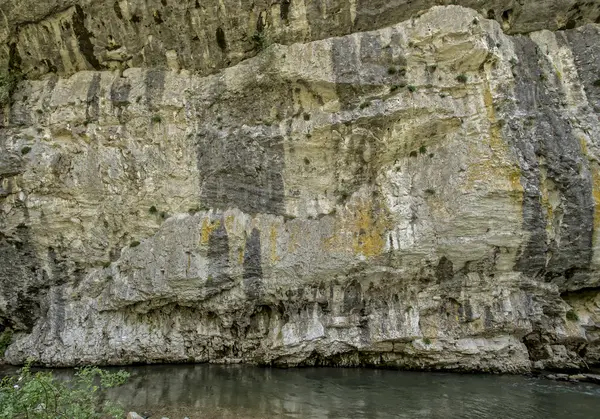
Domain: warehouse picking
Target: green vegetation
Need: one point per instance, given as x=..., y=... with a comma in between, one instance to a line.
x=422, y=149
x=42, y=396
x=427, y=341
x=411, y=88
x=157, y=119
x=134, y=243
x=8, y=84
x=152, y=210
x=5, y=340
x=572, y=316
x=259, y=39
x=461, y=78
x=25, y=150
x=392, y=70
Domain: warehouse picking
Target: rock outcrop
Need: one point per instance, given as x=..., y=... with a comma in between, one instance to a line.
x=420, y=192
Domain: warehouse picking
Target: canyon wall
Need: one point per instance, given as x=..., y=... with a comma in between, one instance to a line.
x=396, y=184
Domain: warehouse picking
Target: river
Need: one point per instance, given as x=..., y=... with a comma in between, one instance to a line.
x=217, y=391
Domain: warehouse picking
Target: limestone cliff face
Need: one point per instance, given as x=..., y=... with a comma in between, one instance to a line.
x=421, y=195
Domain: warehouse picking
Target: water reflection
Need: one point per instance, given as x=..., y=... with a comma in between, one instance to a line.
x=214, y=391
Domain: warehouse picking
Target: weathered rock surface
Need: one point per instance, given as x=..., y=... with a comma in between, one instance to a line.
x=424, y=195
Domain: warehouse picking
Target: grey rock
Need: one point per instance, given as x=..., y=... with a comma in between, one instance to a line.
x=422, y=195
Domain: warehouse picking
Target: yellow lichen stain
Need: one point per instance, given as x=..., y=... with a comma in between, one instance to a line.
x=595, y=169
x=498, y=164
x=207, y=228
x=229, y=223
x=366, y=223
x=273, y=244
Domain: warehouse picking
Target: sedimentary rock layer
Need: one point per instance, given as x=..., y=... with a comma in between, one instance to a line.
x=423, y=195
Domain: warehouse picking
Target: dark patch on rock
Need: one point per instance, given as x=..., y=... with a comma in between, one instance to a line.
x=119, y=92
x=444, y=270
x=284, y=9
x=253, y=266
x=92, y=111
x=155, y=87
x=157, y=17
x=585, y=45
x=353, y=301
x=84, y=36
x=218, y=255
x=22, y=281
x=241, y=171
x=221, y=41
x=543, y=142
x=117, y=10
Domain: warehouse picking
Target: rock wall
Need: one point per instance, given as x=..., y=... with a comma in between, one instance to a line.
x=422, y=195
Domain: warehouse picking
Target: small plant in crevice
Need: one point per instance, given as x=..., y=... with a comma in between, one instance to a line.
x=427, y=341
x=572, y=316
x=156, y=119
x=422, y=149
x=392, y=70
x=152, y=210
x=25, y=150
x=134, y=243
x=462, y=78
x=411, y=88
x=260, y=41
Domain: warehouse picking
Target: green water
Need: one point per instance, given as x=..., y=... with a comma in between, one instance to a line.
x=214, y=391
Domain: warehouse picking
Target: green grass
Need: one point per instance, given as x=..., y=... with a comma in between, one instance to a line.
x=427, y=341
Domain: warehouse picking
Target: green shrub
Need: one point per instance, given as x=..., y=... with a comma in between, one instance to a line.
x=157, y=119
x=392, y=70
x=152, y=210
x=25, y=150
x=572, y=316
x=461, y=78
x=422, y=149
x=42, y=396
x=411, y=88
x=5, y=340
x=427, y=341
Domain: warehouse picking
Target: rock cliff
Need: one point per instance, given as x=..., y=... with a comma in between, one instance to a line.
x=385, y=183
